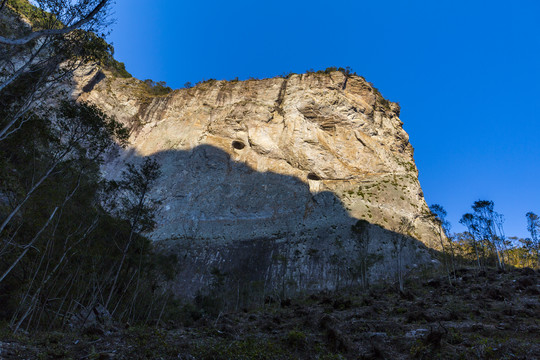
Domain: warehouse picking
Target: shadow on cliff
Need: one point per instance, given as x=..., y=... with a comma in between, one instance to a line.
x=247, y=234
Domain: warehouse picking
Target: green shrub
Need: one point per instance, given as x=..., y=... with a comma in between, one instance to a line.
x=296, y=338
x=159, y=88
x=29, y=11
x=118, y=68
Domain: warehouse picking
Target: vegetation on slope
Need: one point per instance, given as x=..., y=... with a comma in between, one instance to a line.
x=70, y=242
x=486, y=314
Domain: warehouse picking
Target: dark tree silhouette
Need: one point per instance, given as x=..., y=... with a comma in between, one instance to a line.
x=533, y=226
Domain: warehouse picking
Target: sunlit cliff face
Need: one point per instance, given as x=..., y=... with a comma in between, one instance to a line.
x=300, y=158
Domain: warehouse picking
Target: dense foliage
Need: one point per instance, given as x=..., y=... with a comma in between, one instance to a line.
x=60, y=250
x=65, y=251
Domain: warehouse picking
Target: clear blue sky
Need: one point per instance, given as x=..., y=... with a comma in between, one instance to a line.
x=466, y=73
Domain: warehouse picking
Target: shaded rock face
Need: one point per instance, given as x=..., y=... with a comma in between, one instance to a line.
x=262, y=179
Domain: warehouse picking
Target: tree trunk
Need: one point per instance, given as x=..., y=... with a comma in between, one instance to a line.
x=28, y=246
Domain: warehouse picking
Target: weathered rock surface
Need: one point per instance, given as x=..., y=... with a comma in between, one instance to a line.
x=263, y=179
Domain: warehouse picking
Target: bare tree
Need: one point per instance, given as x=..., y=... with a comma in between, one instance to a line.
x=487, y=219
x=399, y=238
x=28, y=246
x=360, y=232
x=468, y=221
x=438, y=214
x=486, y=226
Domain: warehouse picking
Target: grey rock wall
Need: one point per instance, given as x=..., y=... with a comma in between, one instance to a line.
x=262, y=179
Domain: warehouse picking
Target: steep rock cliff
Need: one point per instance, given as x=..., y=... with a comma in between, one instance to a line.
x=263, y=179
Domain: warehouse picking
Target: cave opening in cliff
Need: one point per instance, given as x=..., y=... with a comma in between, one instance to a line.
x=238, y=145
x=312, y=176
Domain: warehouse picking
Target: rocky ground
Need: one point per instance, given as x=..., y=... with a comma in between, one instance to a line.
x=485, y=314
